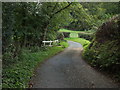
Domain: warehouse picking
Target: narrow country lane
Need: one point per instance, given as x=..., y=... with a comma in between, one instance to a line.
x=68, y=70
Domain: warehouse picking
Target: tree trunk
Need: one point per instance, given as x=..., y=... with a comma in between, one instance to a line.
x=44, y=35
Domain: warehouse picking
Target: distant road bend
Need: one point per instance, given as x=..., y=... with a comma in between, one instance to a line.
x=68, y=70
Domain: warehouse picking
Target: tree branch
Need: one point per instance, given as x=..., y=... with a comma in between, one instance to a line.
x=45, y=30
x=54, y=6
x=60, y=10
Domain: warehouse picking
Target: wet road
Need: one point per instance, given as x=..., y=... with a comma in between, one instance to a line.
x=68, y=70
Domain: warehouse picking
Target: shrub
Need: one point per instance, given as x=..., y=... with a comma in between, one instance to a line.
x=66, y=34
x=86, y=36
x=104, y=51
x=109, y=30
x=106, y=57
x=60, y=36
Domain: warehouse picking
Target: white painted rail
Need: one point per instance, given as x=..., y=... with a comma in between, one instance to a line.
x=50, y=42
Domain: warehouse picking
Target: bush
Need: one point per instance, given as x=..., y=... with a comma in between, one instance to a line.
x=64, y=43
x=104, y=51
x=60, y=36
x=109, y=30
x=106, y=57
x=66, y=34
x=86, y=36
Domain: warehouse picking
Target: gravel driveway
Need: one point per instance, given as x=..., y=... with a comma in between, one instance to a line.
x=68, y=70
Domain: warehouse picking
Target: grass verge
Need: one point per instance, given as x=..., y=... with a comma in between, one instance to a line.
x=19, y=74
x=79, y=40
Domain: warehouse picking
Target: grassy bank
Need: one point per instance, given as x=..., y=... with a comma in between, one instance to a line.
x=65, y=30
x=19, y=74
x=71, y=31
x=81, y=34
x=79, y=40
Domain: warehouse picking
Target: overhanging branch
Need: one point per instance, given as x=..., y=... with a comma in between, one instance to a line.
x=60, y=10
